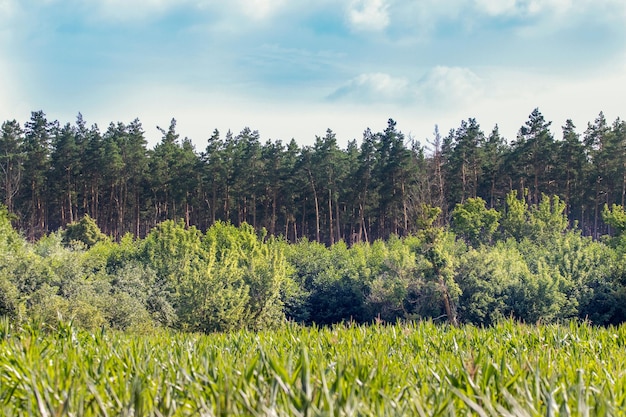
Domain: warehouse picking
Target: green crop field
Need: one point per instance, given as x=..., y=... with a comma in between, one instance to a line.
x=405, y=369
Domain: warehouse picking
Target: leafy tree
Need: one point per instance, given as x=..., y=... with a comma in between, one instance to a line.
x=172, y=251
x=591, y=275
x=265, y=271
x=11, y=247
x=214, y=298
x=438, y=269
x=542, y=221
x=10, y=239
x=487, y=278
x=474, y=222
x=9, y=298
x=395, y=287
x=547, y=218
x=615, y=217
x=141, y=283
x=545, y=293
x=515, y=217
x=85, y=231
x=332, y=285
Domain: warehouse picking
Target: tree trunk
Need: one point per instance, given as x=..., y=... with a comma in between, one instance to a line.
x=338, y=225
x=317, y=209
x=450, y=313
x=331, y=233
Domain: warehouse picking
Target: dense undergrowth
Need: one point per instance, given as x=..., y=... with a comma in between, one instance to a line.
x=525, y=263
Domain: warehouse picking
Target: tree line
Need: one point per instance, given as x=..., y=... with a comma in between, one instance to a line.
x=53, y=174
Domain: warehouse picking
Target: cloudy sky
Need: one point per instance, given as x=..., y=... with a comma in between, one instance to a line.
x=292, y=69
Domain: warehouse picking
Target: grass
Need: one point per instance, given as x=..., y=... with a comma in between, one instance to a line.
x=405, y=369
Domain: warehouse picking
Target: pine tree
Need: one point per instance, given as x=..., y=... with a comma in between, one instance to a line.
x=66, y=165
x=535, y=150
x=11, y=160
x=34, y=197
x=492, y=187
x=571, y=168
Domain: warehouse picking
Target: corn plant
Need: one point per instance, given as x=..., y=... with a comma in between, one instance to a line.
x=418, y=368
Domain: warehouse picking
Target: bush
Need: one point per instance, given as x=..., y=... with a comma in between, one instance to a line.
x=85, y=231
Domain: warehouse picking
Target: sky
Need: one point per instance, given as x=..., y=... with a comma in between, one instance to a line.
x=292, y=69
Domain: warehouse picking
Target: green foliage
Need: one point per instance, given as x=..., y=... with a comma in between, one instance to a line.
x=330, y=280
x=233, y=278
x=118, y=255
x=427, y=216
x=216, y=299
x=85, y=231
x=515, y=218
x=568, y=276
x=589, y=275
x=141, y=284
x=548, y=218
x=173, y=251
x=9, y=298
x=53, y=173
x=47, y=306
x=223, y=280
x=263, y=268
x=395, y=286
x=539, y=222
x=487, y=278
x=615, y=217
x=10, y=239
x=472, y=221
x=416, y=369
x=438, y=269
x=540, y=295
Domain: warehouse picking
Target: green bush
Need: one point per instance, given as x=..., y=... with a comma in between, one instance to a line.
x=85, y=231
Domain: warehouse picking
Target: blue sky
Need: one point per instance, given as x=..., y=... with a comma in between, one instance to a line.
x=292, y=69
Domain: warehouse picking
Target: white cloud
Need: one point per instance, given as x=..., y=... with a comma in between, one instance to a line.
x=526, y=8
x=374, y=87
x=421, y=19
x=550, y=9
x=124, y=10
x=368, y=15
x=449, y=85
x=127, y=10
x=7, y=8
x=496, y=7
x=439, y=87
x=261, y=9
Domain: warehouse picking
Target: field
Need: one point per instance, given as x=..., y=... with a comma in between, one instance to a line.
x=404, y=369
